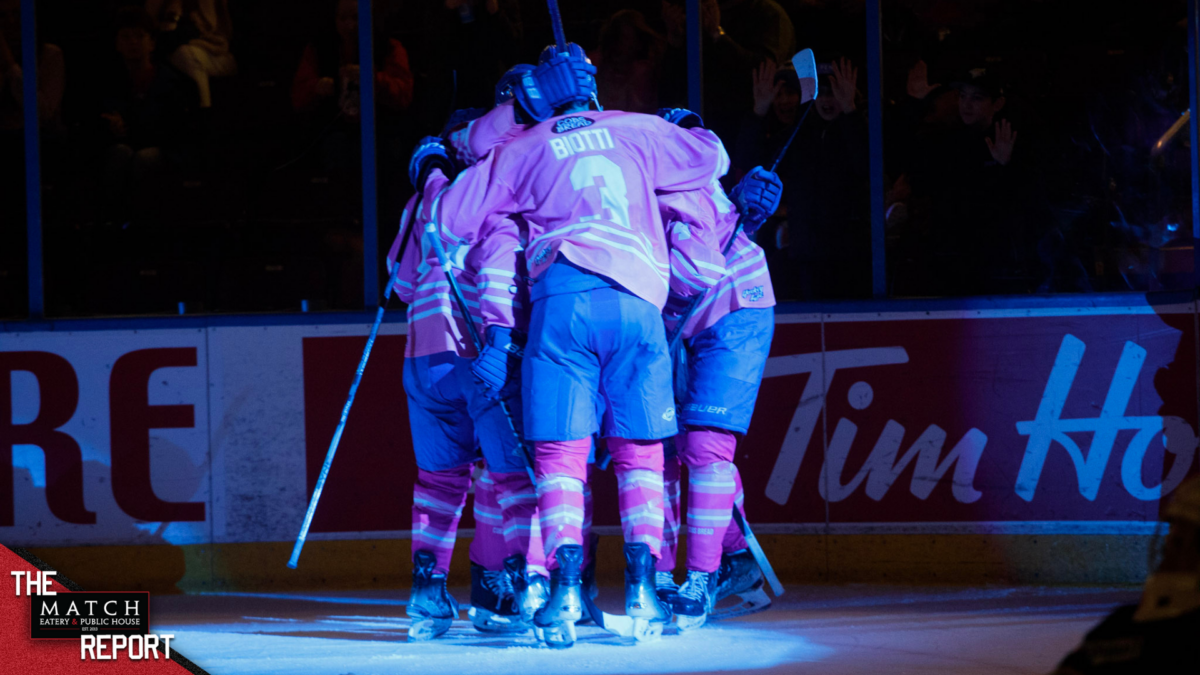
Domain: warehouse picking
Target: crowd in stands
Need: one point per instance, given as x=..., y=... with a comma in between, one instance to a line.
x=208, y=151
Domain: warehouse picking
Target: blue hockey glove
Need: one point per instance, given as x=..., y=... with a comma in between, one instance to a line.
x=560, y=79
x=757, y=197
x=500, y=358
x=431, y=153
x=681, y=117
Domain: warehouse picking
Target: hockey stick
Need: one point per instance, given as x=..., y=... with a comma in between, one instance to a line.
x=560, y=38
x=806, y=71
x=362, y=364
x=444, y=261
x=756, y=550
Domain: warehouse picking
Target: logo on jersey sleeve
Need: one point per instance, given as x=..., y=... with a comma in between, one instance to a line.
x=753, y=294
x=571, y=124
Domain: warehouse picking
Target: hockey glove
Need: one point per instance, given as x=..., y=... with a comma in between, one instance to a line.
x=431, y=153
x=560, y=81
x=500, y=358
x=684, y=118
x=757, y=197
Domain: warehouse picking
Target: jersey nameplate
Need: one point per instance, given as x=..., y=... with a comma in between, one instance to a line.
x=581, y=141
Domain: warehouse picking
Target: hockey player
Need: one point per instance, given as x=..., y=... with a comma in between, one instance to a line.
x=443, y=436
x=584, y=182
x=727, y=339
x=450, y=414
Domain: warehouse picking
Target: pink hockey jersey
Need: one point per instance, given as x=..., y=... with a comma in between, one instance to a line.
x=745, y=282
x=475, y=139
x=585, y=184
x=434, y=322
x=493, y=277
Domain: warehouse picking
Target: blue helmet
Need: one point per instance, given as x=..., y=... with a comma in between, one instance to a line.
x=509, y=80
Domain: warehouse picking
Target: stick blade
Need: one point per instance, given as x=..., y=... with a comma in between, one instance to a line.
x=806, y=69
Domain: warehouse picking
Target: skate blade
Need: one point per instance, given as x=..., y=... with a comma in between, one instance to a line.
x=687, y=623
x=423, y=630
x=646, y=631
x=485, y=621
x=752, y=601
x=561, y=636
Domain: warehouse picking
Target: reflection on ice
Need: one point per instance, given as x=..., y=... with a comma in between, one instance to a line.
x=377, y=644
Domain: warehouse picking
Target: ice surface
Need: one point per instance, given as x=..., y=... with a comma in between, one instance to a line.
x=825, y=629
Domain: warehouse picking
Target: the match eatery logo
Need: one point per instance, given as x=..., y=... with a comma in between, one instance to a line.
x=106, y=623
x=571, y=124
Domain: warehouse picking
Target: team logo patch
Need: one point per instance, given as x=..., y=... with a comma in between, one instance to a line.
x=753, y=294
x=572, y=123
x=669, y=415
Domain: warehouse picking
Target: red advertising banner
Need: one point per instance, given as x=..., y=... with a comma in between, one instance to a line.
x=1000, y=417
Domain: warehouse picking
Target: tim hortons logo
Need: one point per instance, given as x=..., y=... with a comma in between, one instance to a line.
x=1048, y=428
x=886, y=461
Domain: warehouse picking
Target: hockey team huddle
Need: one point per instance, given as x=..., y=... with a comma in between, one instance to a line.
x=616, y=310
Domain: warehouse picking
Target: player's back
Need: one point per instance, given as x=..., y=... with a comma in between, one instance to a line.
x=586, y=183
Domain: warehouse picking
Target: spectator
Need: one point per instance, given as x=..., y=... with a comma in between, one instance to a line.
x=962, y=225
x=144, y=116
x=628, y=63
x=738, y=35
x=326, y=84
x=194, y=35
x=825, y=179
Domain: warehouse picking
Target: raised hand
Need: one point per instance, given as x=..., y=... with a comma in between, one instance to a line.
x=844, y=83
x=765, y=87
x=1002, y=147
x=918, y=81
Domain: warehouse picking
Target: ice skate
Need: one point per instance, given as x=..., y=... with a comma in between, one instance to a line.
x=641, y=602
x=739, y=575
x=588, y=581
x=695, y=600
x=530, y=590
x=494, y=606
x=665, y=586
x=430, y=605
x=554, y=623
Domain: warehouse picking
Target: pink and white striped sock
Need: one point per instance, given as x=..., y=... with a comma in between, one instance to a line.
x=518, y=503
x=488, y=547
x=561, y=468
x=586, y=531
x=734, y=541
x=438, y=500
x=712, y=486
x=671, y=515
x=711, y=490
x=639, y=469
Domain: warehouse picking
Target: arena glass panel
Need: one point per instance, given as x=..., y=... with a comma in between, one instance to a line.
x=204, y=160
x=1036, y=147
x=13, y=270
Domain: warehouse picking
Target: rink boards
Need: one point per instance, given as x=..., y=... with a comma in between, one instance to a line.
x=984, y=443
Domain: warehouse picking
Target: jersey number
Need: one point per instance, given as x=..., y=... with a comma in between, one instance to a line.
x=603, y=174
